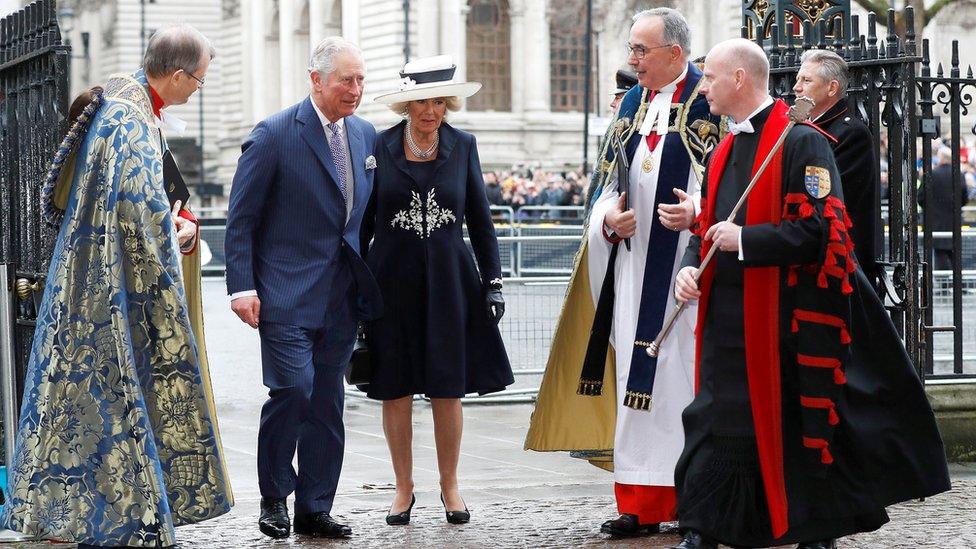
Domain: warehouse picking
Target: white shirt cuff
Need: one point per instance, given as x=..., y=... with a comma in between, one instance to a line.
x=696, y=199
x=246, y=293
x=741, y=256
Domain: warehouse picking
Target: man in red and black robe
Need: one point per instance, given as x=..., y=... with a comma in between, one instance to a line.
x=808, y=418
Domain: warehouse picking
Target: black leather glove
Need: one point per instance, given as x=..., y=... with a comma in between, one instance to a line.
x=496, y=305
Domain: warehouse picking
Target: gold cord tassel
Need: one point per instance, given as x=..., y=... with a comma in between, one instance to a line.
x=590, y=388
x=638, y=401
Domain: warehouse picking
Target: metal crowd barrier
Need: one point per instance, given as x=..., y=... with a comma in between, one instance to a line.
x=537, y=259
x=542, y=214
x=537, y=248
x=532, y=307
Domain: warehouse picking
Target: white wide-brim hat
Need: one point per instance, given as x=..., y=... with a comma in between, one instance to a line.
x=429, y=77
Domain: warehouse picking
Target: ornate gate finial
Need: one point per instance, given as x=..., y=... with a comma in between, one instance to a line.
x=759, y=16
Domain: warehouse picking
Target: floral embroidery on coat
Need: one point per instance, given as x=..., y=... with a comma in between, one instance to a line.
x=415, y=219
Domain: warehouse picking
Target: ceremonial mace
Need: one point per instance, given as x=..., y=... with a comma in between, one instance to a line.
x=798, y=113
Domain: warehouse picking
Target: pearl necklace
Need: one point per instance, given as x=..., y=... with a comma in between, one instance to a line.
x=415, y=149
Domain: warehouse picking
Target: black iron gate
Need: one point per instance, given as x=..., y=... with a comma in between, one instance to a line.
x=944, y=94
x=893, y=91
x=33, y=106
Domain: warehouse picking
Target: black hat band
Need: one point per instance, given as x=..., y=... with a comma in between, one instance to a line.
x=426, y=77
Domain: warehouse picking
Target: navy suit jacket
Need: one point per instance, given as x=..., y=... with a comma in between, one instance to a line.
x=287, y=235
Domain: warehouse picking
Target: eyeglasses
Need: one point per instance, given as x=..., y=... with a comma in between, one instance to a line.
x=190, y=74
x=640, y=51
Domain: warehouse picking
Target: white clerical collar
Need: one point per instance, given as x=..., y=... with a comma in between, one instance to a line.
x=325, y=121
x=170, y=123
x=659, y=109
x=735, y=128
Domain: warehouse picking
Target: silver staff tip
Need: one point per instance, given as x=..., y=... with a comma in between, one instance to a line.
x=652, y=350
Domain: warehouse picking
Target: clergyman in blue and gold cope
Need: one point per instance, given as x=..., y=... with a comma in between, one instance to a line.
x=117, y=440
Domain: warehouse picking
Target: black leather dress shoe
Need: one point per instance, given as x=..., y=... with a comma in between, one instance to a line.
x=822, y=544
x=400, y=519
x=628, y=526
x=320, y=525
x=694, y=540
x=274, y=521
x=456, y=517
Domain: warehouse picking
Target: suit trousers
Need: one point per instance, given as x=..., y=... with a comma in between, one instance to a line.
x=303, y=370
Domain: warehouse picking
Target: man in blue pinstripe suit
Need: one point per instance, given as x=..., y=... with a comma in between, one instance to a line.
x=294, y=272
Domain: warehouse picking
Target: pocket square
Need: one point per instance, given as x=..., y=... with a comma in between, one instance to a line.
x=370, y=162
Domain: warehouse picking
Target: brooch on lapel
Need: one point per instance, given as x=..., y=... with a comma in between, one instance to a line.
x=370, y=162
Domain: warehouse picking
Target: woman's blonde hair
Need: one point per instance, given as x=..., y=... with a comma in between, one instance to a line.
x=453, y=105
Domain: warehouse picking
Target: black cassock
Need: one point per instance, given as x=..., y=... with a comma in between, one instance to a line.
x=434, y=337
x=853, y=437
x=858, y=165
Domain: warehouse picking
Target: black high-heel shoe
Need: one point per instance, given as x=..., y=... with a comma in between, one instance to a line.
x=456, y=517
x=403, y=518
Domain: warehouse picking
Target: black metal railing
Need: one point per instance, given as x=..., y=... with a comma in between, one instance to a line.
x=944, y=94
x=33, y=108
x=892, y=89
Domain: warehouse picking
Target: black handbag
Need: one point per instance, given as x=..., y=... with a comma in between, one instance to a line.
x=359, y=371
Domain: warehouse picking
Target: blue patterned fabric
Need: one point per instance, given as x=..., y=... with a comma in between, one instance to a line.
x=338, y=150
x=116, y=444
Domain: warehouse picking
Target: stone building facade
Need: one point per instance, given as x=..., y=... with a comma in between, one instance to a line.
x=527, y=53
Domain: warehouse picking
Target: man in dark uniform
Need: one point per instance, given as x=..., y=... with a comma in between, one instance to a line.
x=823, y=78
x=625, y=80
x=804, y=427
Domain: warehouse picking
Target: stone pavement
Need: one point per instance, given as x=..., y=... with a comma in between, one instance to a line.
x=517, y=498
x=569, y=516
x=565, y=516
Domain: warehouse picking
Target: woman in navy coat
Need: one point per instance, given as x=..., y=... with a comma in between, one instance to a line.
x=438, y=335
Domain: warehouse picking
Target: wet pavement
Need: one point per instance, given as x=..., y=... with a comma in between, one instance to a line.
x=517, y=512
x=516, y=498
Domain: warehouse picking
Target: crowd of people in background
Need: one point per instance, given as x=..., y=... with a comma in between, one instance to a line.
x=531, y=185
x=940, y=148
x=526, y=185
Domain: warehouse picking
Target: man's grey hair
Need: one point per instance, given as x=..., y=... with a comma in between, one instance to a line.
x=174, y=48
x=323, y=60
x=830, y=67
x=676, y=29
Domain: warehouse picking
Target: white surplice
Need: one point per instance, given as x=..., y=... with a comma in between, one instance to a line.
x=646, y=443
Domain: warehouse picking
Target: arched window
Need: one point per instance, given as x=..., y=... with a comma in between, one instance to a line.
x=567, y=53
x=489, y=54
